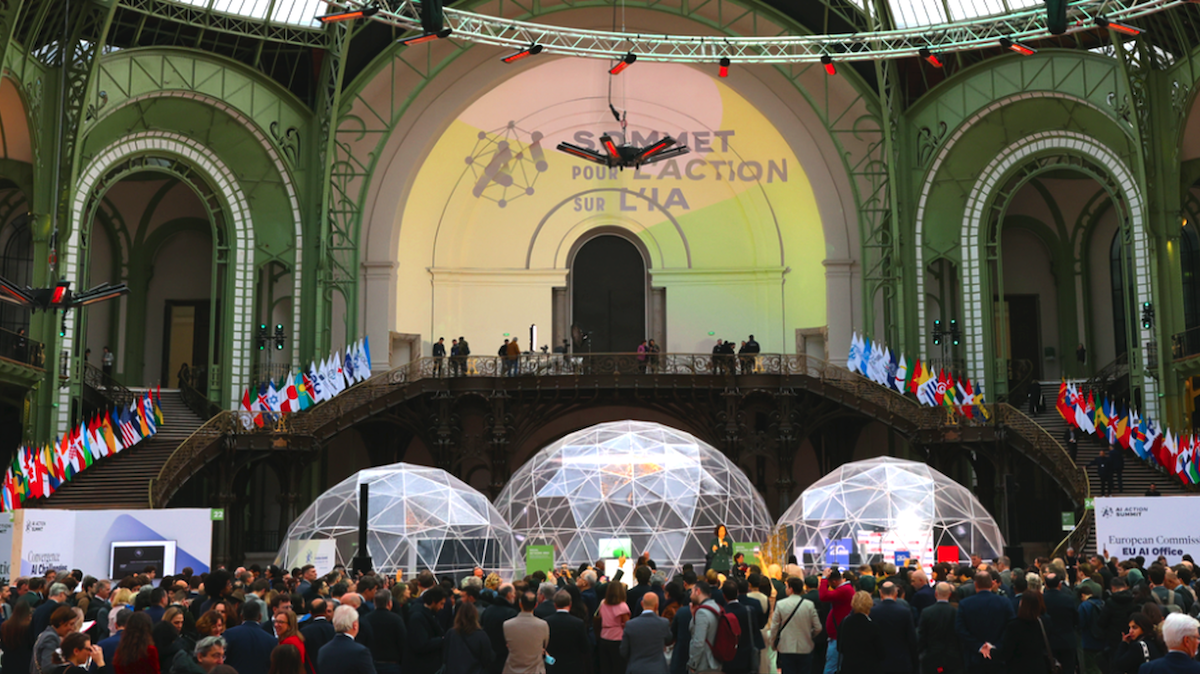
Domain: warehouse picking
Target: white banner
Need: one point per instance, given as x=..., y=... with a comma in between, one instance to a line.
x=1148, y=526
x=82, y=539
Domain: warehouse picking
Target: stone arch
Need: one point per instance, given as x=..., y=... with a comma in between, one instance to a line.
x=236, y=209
x=935, y=166
x=975, y=219
x=285, y=175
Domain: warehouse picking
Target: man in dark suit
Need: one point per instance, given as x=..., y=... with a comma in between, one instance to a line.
x=758, y=618
x=545, y=607
x=318, y=631
x=899, y=634
x=1181, y=633
x=741, y=663
x=342, y=655
x=248, y=648
x=980, y=623
x=937, y=642
x=423, y=653
x=389, y=635
x=634, y=596
x=646, y=636
x=41, y=615
x=681, y=630
x=1063, y=630
x=492, y=621
x=569, y=644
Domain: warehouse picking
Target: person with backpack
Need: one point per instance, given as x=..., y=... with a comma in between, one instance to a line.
x=1167, y=599
x=794, y=625
x=742, y=661
x=706, y=618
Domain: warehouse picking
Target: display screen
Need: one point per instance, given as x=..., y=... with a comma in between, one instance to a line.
x=132, y=557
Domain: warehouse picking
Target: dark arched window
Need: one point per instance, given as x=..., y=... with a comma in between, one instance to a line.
x=1120, y=281
x=16, y=265
x=1189, y=259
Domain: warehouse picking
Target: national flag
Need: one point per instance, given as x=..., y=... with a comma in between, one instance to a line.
x=1063, y=407
x=1154, y=438
x=852, y=358
x=968, y=397
x=948, y=393
x=366, y=350
x=1124, y=429
x=1079, y=406
x=1137, y=439
x=865, y=358
x=156, y=405
x=1193, y=470
x=246, y=400
x=915, y=377
x=272, y=397
x=106, y=432
x=129, y=434
x=291, y=398
x=148, y=413
x=303, y=391
x=940, y=392
x=348, y=367
x=901, y=377
x=1091, y=411
x=981, y=403
x=927, y=389
x=1101, y=418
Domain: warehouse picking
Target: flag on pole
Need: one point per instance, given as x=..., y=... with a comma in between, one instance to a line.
x=852, y=358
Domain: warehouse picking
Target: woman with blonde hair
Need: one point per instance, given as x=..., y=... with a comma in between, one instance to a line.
x=859, y=639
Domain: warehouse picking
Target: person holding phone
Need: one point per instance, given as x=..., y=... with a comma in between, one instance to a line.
x=720, y=551
x=78, y=653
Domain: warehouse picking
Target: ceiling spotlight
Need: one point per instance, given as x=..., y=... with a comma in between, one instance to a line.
x=531, y=50
x=1119, y=27
x=827, y=61
x=724, y=71
x=1017, y=47
x=426, y=37
x=931, y=57
x=348, y=15
x=624, y=63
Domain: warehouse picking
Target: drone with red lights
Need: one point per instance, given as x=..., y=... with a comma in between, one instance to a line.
x=626, y=156
x=58, y=297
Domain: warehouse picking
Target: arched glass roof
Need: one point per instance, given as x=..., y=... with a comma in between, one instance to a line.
x=300, y=13
x=905, y=13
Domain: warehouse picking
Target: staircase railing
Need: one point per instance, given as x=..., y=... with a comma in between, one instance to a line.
x=1038, y=444
x=195, y=400
x=1110, y=374
x=108, y=388
x=1077, y=538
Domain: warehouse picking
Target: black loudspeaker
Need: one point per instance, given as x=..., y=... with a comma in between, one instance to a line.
x=1016, y=556
x=432, y=18
x=1056, y=16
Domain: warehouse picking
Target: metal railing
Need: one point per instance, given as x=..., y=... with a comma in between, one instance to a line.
x=191, y=387
x=191, y=455
x=110, y=389
x=20, y=348
x=1078, y=537
x=1185, y=344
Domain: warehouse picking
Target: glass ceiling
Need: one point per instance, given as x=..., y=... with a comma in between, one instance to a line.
x=301, y=13
x=907, y=13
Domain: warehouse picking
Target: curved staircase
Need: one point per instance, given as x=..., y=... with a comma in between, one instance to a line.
x=120, y=482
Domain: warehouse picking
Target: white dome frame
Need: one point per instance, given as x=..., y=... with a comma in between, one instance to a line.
x=415, y=511
x=663, y=488
x=887, y=504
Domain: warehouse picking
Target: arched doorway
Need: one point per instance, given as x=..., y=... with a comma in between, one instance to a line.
x=608, y=295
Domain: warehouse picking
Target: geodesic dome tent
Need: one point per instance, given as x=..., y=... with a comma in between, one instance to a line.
x=418, y=518
x=662, y=488
x=885, y=508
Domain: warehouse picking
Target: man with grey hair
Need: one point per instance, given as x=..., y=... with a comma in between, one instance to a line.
x=343, y=655
x=937, y=640
x=587, y=590
x=1182, y=634
x=545, y=608
x=55, y=597
x=365, y=634
x=471, y=581
x=208, y=653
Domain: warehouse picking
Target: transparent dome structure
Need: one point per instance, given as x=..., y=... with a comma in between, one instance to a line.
x=888, y=509
x=663, y=489
x=418, y=518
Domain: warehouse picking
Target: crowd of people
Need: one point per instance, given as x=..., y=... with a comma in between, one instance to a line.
x=1059, y=616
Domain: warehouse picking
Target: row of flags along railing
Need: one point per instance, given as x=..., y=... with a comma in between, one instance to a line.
x=299, y=391
x=37, y=472
x=887, y=368
x=1123, y=426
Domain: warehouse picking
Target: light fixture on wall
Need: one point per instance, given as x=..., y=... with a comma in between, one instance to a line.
x=1017, y=47
x=1118, y=27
